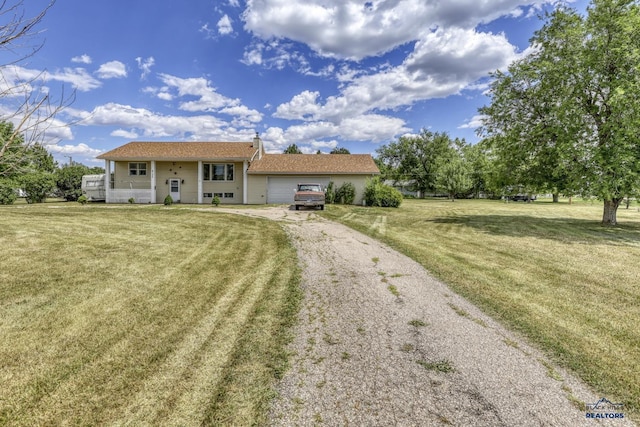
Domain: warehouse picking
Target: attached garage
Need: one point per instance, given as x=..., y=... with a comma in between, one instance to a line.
x=280, y=189
x=273, y=177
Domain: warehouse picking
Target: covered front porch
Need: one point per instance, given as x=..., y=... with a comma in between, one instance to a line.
x=186, y=182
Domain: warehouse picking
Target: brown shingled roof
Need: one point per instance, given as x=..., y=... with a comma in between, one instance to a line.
x=290, y=164
x=181, y=151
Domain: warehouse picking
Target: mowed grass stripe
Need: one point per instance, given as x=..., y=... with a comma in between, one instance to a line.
x=547, y=270
x=179, y=393
x=83, y=342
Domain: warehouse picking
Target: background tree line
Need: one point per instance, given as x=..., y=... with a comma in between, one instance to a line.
x=434, y=163
x=29, y=170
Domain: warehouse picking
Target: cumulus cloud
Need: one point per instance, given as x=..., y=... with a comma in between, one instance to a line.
x=112, y=70
x=459, y=55
x=443, y=64
x=127, y=134
x=225, y=26
x=446, y=54
x=354, y=30
x=82, y=59
x=20, y=78
x=80, y=149
x=135, y=122
x=207, y=99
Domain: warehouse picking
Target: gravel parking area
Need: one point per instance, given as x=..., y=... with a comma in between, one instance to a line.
x=382, y=343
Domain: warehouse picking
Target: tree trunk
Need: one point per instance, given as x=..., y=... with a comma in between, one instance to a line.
x=556, y=197
x=610, y=211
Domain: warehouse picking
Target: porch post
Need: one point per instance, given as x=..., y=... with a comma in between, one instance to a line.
x=245, y=186
x=107, y=181
x=200, y=181
x=153, y=181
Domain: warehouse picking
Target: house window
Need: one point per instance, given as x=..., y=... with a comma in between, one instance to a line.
x=217, y=171
x=207, y=195
x=228, y=195
x=139, y=169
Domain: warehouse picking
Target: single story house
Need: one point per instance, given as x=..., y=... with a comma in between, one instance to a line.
x=236, y=172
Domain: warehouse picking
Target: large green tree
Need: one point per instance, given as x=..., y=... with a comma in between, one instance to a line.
x=567, y=117
x=454, y=177
x=417, y=158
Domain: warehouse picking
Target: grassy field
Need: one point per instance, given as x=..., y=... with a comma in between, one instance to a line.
x=549, y=271
x=141, y=315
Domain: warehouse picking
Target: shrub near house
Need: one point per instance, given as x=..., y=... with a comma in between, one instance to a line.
x=378, y=194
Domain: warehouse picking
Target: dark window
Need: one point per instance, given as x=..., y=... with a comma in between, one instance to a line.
x=137, y=169
x=217, y=172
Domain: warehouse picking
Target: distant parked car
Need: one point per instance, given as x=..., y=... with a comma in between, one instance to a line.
x=522, y=198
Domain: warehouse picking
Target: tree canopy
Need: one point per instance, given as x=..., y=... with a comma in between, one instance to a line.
x=566, y=117
x=418, y=158
x=292, y=149
x=339, y=150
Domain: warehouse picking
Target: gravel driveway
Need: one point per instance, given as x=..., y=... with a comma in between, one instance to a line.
x=380, y=342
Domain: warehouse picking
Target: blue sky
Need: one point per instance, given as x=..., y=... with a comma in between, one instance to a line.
x=316, y=73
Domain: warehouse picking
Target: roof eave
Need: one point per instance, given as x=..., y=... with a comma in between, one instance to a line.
x=174, y=159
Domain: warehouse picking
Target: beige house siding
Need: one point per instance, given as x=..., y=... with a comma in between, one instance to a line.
x=187, y=173
x=359, y=181
x=258, y=186
x=257, y=189
x=124, y=181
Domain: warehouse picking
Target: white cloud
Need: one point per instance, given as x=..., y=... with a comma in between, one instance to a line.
x=28, y=79
x=443, y=64
x=276, y=55
x=165, y=96
x=80, y=149
x=127, y=134
x=145, y=123
x=474, y=123
x=303, y=106
x=207, y=98
x=145, y=65
x=225, y=26
x=82, y=59
x=112, y=70
x=234, y=3
x=79, y=78
x=253, y=56
x=349, y=29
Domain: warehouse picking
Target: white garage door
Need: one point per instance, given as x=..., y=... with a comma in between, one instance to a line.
x=280, y=189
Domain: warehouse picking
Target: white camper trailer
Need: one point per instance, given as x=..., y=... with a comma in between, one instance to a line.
x=93, y=187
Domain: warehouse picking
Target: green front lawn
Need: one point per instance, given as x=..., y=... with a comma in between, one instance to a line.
x=549, y=271
x=141, y=315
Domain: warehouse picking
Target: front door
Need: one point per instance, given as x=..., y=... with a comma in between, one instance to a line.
x=174, y=190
